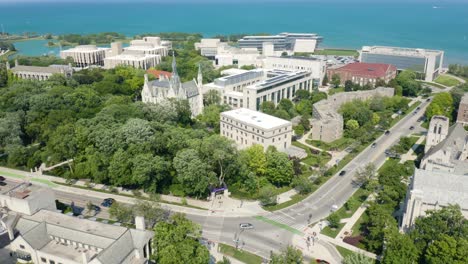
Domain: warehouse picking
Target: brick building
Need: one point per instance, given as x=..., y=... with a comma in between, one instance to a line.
x=364, y=73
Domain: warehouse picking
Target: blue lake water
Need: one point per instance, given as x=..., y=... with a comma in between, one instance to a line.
x=343, y=25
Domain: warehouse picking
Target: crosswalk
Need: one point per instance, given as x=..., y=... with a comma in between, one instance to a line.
x=286, y=219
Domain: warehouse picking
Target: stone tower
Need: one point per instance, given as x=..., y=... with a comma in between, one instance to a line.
x=437, y=132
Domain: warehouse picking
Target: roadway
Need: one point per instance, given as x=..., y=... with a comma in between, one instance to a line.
x=224, y=227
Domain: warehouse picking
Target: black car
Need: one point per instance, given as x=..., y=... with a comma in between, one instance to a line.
x=2, y=178
x=428, y=100
x=411, y=128
x=373, y=145
x=107, y=202
x=387, y=132
x=342, y=173
x=3, y=183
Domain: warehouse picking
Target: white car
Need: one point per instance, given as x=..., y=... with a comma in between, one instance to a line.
x=246, y=226
x=334, y=208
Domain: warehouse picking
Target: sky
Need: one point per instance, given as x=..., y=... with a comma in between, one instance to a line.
x=233, y=1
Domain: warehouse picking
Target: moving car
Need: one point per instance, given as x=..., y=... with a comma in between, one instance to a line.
x=373, y=145
x=387, y=132
x=107, y=202
x=321, y=261
x=411, y=127
x=3, y=183
x=246, y=226
x=2, y=178
x=343, y=172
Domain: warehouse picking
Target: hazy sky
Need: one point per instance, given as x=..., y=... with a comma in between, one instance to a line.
x=233, y=1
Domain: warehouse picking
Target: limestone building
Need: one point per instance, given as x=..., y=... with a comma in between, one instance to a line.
x=327, y=123
x=316, y=66
x=38, y=72
x=85, y=55
x=462, y=116
x=247, y=128
x=250, y=89
x=447, y=149
x=227, y=55
x=432, y=190
x=35, y=232
x=158, y=91
x=208, y=47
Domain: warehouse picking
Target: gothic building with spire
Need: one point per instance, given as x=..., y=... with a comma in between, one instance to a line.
x=160, y=90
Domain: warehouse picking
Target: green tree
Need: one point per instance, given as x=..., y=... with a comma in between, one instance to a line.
x=333, y=220
x=305, y=122
x=122, y=213
x=267, y=195
x=290, y=255
x=304, y=107
x=352, y=124
x=325, y=80
x=151, y=211
x=336, y=80
x=283, y=114
x=212, y=97
x=3, y=75
x=279, y=168
x=318, y=96
x=268, y=107
x=348, y=87
x=302, y=184
x=447, y=250
x=256, y=159
x=442, y=104
x=176, y=241
x=355, y=258
x=193, y=173
x=399, y=248
x=302, y=94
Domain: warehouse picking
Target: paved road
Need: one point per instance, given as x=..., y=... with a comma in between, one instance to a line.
x=338, y=189
x=223, y=227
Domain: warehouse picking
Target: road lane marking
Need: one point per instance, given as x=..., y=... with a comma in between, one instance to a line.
x=283, y=226
x=287, y=215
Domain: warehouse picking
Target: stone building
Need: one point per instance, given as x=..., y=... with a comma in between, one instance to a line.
x=327, y=123
x=247, y=128
x=85, y=55
x=447, y=149
x=158, y=91
x=462, y=116
x=39, y=73
x=364, y=73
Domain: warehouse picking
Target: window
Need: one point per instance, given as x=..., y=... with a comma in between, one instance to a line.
x=21, y=246
x=51, y=262
x=43, y=260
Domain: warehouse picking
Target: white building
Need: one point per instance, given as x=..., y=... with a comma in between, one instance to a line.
x=292, y=42
x=208, y=47
x=247, y=128
x=37, y=233
x=85, y=55
x=427, y=62
x=250, y=89
x=227, y=55
x=316, y=66
x=38, y=72
x=158, y=91
x=432, y=190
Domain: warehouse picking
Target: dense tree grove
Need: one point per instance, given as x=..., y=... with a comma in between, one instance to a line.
x=458, y=70
x=99, y=38
x=40, y=61
x=96, y=119
x=441, y=104
x=405, y=84
x=7, y=46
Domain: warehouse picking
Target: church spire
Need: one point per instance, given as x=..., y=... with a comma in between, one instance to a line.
x=174, y=64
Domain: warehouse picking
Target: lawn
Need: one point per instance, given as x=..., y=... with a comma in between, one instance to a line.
x=331, y=232
x=338, y=144
x=294, y=199
x=337, y=52
x=333, y=91
x=344, y=252
x=313, y=159
x=433, y=84
x=243, y=256
x=447, y=80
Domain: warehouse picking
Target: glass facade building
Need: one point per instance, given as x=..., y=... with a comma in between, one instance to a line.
x=416, y=64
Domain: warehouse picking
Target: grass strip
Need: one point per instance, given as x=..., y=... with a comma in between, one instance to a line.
x=241, y=255
x=277, y=224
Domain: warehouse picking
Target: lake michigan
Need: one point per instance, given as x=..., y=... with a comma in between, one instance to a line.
x=343, y=25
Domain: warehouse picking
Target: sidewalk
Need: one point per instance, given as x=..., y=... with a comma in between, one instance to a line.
x=410, y=154
x=225, y=204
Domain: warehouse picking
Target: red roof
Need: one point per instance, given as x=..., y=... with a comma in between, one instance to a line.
x=367, y=69
x=157, y=73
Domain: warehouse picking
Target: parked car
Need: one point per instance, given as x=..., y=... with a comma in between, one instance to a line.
x=387, y=132
x=3, y=183
x=246, y=226
x=321, y=261
x=2, y=178
x=428, y=100
x=373, y=145
x=411, y=127
x=96, y=208
x=107, y=202
x=342, y=173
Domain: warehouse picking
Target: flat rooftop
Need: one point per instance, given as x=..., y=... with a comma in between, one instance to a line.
x=279, y=77
x=416, y=52
x=69, y=252
x=297, y=58
x=256, y=119
x=21, y=190
x=85, y=48
x=239, y=77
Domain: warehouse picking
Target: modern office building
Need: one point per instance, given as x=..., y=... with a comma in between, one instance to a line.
x=85, y=55
x=432, y=190
x=327, y=123
x=161, y=90
x=462, y=116
x=364, y=73
x=426, y=62
x=250, y=89
x=38, y=72
x=35, y=232
x=247, y=128
x=293, y=42
x=316, y=66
